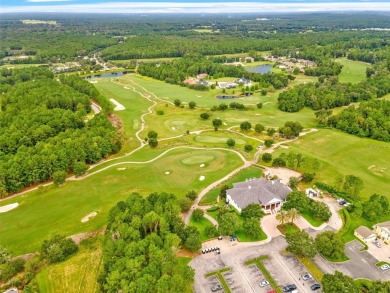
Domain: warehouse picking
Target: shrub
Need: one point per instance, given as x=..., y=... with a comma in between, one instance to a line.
x=152, y=134
x=177, y=102
x=231, y=142
x=269, y=142
x=160, y=112
x=278, y=162
x=248, y=148
x=198, y=214
x=80, y=168
x=153, y=142
x=192, y=195
x=266, y=157
x=58, y=248
x=204, y=116
x=192, y=105
x=185, y=204
x=59, y=177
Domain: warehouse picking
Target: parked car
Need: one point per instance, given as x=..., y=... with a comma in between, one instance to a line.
x=306, y=277
x=294, y=291
x=315, y=286
x=385, y=267
x=289, y=288
x=216, y=288
x=264, y=283
x=219, y=237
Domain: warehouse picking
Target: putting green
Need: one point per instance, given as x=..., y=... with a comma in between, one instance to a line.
x=214, y=139
x=194, y=160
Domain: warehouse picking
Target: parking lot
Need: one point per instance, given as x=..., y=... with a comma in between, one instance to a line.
x=284, y=269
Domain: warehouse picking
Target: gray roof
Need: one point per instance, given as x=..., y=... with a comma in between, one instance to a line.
x=364, y=231
x=260, y=191
x=384, y=225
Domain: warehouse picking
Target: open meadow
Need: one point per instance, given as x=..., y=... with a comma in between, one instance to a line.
x=344, y=154
x=353, y=71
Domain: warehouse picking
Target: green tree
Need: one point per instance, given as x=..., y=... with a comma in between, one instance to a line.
x=228, y=224
x=330, y=244
x=352, y=186
x=308, y=177
x=185, y=204
x=296, y=199
x=231, y=143
x=259, y=128
x=245, y=126
x=198, y=214
x=152, y=134
x=192, y=105
x=252, y=211
x=300, y=243
x=217, y=123
x=268, y=142
x=153, y=142
x=263, y=92
x=248, y=148
x=293, y=182
x=271, y=131
x=193, y=241
x=192, y=195
x=266, y=157
x=222, y=192
x=223, y=107
x=79, y=168
x=177, y=102
x=282, y=217
x=58, y=248
x=379, y=287
x=211, y=231
x=204, y=116
x=259, y=105
x=375, y=207
x=252, y=227
x=293, y=215
x=278, y=162
x=59, y=177
x=5, y=256
x=339, y=283
x=321, y=210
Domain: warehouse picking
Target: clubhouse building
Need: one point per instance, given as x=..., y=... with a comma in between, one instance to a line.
x=270, y=194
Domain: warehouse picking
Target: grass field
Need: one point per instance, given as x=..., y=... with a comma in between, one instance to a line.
x=344, y=154
x=77, y=274
x=201, y=226
x=353, y=71
x=60, y=209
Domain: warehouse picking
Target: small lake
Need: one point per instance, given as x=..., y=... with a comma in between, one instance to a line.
x=227, y=97
x=259, y=69
x=105, y=75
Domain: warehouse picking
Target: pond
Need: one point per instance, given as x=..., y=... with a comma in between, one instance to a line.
x=226, y=97
x=260, y=69
x=105, y=75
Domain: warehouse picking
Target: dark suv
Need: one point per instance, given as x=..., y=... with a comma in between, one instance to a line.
x=289, y=288
x=315, y=287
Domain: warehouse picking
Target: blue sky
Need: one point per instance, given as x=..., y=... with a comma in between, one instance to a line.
x=191, y=6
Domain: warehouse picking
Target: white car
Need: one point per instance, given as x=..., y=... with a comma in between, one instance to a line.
x=306, y=277
x=385, y=267
x=264, y=283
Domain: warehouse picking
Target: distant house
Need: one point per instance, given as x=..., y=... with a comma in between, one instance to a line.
x=226, y=85
x=249, y=59
x=244, y=81
x=310, y=192
x=270, y=194
x=201, y=75
x=364, y=234
x=382, y=231
x=191, y=80
x=204, y=82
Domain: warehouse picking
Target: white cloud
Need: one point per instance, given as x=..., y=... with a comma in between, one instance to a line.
x=211, y=7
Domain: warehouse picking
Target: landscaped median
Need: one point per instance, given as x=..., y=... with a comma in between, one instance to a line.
x=258, y=261
x=311, y=267
x=221, y=278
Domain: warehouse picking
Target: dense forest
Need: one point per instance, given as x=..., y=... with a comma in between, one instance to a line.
x=370, y=119
x=139, y=244
x=43, y=129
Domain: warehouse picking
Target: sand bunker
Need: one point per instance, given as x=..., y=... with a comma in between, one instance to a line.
x=167, y=173
x=173, y=128
x=126, y=88
x=118, y=106
x=88, y=217
x=8, y=207
x=93, y=81
x=201, y=178
x=121, y=169
x=201, y=165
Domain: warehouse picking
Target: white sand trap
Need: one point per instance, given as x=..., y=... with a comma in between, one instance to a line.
x=201, y=165
x=224, y=123
x=173, y=128
x=198, y=96
x=118, y=106
x=283, y=146
x=88, y=217
x=93, y=81
x=8, y=207
x=201, y=178
x=126, y=88
x=121, y=169
x=167, y=173
x=257, y=114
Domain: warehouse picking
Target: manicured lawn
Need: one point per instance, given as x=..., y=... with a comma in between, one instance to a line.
x=343, y=154
x=221, y=278
x=288, y=228
x=311, y=267
x=353, y=71
x=211, y=196
x=310, y=217
x=201, y=226
x=80, y=271
x=60, y=209
x=259, y=263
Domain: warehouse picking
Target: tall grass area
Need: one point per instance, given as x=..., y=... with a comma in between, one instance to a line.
x=343, y=154
x=77, y=274
x=353, y=71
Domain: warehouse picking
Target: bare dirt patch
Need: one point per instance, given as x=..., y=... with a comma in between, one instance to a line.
x=282, y=173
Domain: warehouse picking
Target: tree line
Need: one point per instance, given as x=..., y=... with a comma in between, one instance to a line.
x=44, y=129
